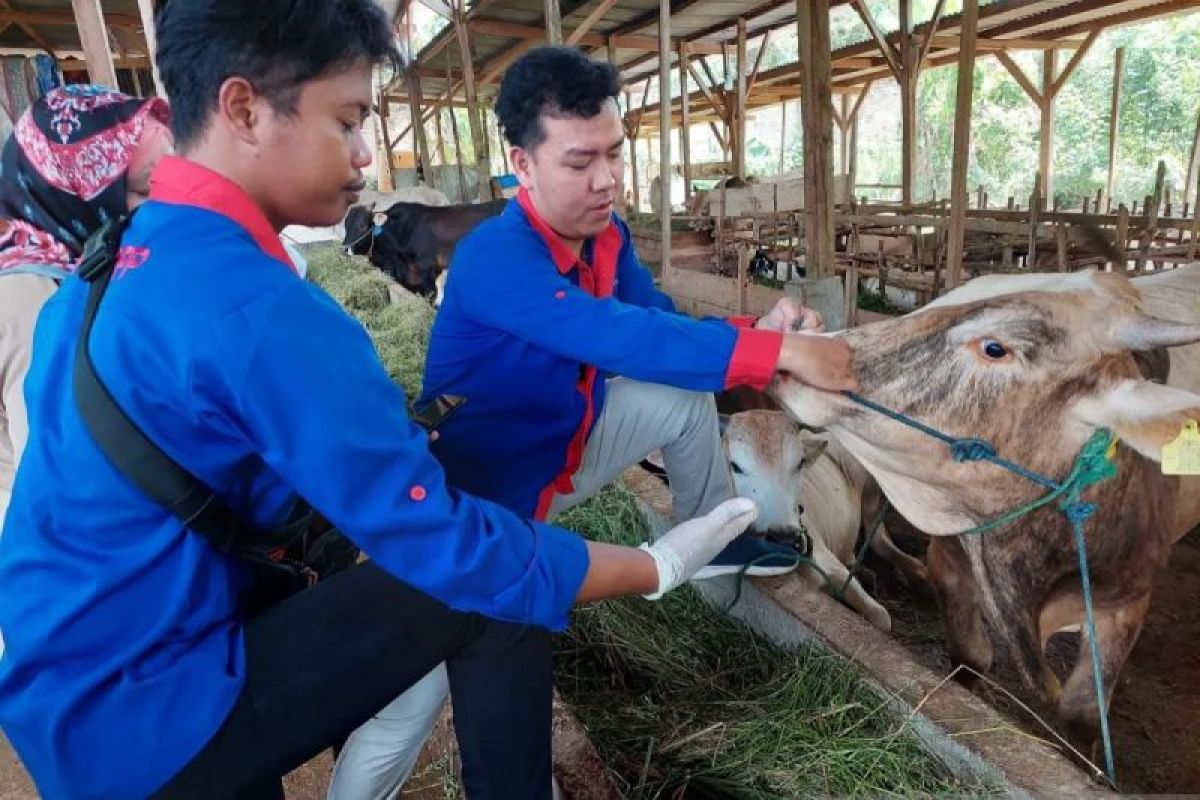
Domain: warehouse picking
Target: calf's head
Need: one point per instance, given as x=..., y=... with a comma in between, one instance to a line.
x=1034, y=364
x=767, y=450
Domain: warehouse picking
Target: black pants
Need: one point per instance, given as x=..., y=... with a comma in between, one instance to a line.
x=320, y=663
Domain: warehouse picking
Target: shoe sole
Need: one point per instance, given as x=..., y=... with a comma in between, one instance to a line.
x=757, y=571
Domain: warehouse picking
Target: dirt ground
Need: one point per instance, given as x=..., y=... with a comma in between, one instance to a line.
x=1156, y=707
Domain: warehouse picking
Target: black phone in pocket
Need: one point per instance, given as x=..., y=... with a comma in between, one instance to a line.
x=440, y=409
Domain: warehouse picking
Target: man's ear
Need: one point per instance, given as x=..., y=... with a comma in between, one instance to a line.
x=521, y=162
x=239, y=109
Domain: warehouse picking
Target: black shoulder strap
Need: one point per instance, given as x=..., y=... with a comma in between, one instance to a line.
x=125, y=445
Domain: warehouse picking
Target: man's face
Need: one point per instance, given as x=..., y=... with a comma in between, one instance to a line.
x=575, y=174
x=311, y=162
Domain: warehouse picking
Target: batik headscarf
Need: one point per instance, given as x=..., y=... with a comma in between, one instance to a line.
x=62, y=173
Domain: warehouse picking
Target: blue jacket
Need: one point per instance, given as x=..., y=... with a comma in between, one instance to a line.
x=527, y=332
x=122, y=650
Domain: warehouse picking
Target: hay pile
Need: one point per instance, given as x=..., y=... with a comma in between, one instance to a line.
x=681, y=700
x=399, y=328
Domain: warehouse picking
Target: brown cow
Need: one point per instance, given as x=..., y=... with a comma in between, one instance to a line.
x=1034, y=364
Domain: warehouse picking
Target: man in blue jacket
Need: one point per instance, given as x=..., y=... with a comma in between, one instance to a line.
x=129, y=666
x=573, y=364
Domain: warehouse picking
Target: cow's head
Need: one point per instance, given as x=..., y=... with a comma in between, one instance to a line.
x=358, y=224
x=1032, y=363
x=767, y=450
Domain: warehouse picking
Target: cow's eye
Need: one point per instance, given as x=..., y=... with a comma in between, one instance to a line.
x=993, y=349
x=737, y=469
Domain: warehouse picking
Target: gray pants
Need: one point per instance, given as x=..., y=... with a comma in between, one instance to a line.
x=638, y=418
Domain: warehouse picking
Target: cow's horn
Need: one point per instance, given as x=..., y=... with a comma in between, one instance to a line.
x=1149, y=333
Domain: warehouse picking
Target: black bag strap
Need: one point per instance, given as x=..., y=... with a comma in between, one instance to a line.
x=130, y=450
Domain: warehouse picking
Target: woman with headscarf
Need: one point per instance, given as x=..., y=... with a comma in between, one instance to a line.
x=79, y=156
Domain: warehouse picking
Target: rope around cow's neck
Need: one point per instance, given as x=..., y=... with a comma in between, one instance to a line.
x=1092, y=465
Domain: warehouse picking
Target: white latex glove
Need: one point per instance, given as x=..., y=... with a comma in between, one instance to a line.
x=686, y=548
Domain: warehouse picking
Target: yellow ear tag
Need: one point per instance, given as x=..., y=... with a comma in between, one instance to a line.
x=379, y=218
x=1112, y=449
x=1182, y=456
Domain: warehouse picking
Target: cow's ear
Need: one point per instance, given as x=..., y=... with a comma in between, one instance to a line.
x=1142, y=414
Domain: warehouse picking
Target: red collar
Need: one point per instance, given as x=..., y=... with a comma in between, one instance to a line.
x=182, y=182
x=564, y=257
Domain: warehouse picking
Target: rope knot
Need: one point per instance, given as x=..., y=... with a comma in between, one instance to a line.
x=1079, y=511
x=972, y=449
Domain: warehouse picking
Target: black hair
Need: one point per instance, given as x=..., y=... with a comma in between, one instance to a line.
x=557, y=82
x=276, y=45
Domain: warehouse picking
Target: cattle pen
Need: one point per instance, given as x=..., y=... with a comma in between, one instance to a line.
x=785, y=692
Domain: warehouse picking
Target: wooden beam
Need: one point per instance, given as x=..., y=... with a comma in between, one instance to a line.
x=500, y=63
x=813, y=35
x=862, y=95
x=1114, y=121
x=553, y=20
x=961, y=153
x=1019, y=74
x=439, y=7
x=478, y=138
x=738, y=121
x=685, y=123
x=889, y=52
x=758, y=59
x=1046, y=128
x=515, y=30
x=597, y=13
x=1074, y=62
x=23, y=18
x=718, y=105
x=664, y=136
x=931, y=35
x=94, y=38
x=988, y=45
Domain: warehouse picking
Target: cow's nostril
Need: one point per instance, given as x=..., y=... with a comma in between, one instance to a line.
x=799, y=509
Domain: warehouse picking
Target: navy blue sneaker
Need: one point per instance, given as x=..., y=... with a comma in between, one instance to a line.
x=764, y=558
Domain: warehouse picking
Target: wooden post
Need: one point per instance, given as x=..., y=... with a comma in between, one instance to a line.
x=1193, y=163
x=441, y=136
x=146, y=7
x=93, y=35
x=738, y=126
x=1195, y=224
x=817, y=113
x=1114, y=123
x=553, y=23
x=413, y=82
x=458, y=158
x=1046, y=135
x=962, y=143
x=478, y=139
x=1035, y=205
x=385, y=150
x=844, y=139
x=637, y=200
x=782, y=133
x=1123, y=235
x=685, y=126
x=664, y=135
x=907, y=79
